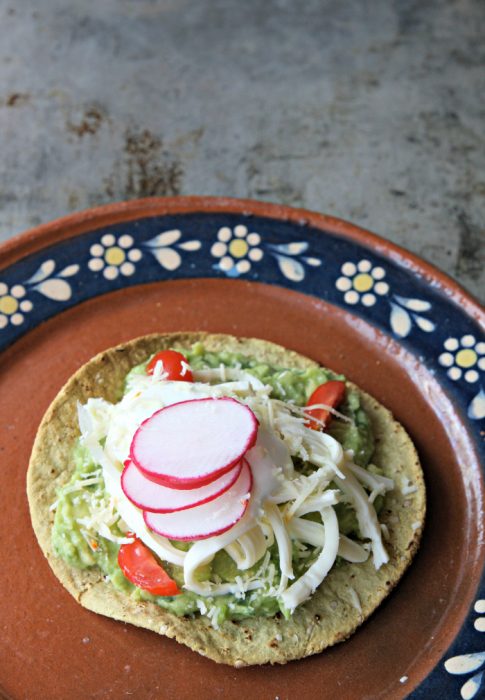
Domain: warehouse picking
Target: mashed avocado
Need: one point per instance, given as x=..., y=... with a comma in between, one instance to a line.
x=73, y=542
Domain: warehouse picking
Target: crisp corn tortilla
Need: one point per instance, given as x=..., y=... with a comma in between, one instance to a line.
x=331, y=614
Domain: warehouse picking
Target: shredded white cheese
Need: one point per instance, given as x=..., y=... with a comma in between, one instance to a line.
x=279, y=500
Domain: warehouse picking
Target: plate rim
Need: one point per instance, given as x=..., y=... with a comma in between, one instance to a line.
x=72, y=225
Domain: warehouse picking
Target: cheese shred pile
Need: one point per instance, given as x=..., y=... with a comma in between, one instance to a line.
x=281, y=500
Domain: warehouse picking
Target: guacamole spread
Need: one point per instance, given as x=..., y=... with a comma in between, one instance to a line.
x=82, y=548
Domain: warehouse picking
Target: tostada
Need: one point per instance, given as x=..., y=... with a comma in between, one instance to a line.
x=225, y=492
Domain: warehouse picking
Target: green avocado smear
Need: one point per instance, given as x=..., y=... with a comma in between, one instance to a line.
x=83, y=549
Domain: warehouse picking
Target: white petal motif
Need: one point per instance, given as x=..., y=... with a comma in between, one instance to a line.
x=381, y=288
x=471, y=687
x=190, y=245
x=226, y=263
x=96, y=264
x=368, y=300
x=400, y=321
x=351, y=297
x=110, y=272
x=476, y=409
x=292, y=269
x=465, y=663
x=55, y=289
x=240, y=231
x=451, y=344
x=364, y=266
x=296, y=248
x=425, y=324
x=446, y=359
x=125, y=241
x=454, y=373
x=127, y=269
x=69, y=271
x=224, y=234
x=255, y=254
x=108, y=239
x=164, y=239
x=44, y=271
x=468, y=341
x=479, y=624
x=413, y=304
x=168, y=258
x=243, y=266
x=218, y=249
x=378, y=273
x=343, y=284
x=134, y=255
x=348, y=269
x=314, y=262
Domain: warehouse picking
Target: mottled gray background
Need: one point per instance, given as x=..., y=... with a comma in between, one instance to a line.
x=371, y=111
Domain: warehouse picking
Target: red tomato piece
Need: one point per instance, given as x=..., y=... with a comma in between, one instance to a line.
x=331, y=394
x=141, y=568
x=174, y=365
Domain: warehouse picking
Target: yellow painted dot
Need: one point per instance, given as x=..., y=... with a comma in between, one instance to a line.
x=363, y=282
x=238, y=248
x=466, y=358
x=114, y=256
x=8, y=304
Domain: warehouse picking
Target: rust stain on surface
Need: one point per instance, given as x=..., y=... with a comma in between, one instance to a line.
x=146, y=168
x=17, y=99
x=89, y=123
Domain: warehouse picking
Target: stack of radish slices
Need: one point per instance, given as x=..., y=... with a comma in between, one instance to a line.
x=187, y=470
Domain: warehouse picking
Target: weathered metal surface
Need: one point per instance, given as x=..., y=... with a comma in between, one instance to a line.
x=371, y=112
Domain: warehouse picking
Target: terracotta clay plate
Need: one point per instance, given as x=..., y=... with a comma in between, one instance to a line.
x=394, y=325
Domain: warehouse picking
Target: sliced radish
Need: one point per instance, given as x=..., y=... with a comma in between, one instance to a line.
x=148, y=495
x=189, y=444
x=209, y=519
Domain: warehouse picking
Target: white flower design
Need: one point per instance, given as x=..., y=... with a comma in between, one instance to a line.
x=114, y=255
x=290, y=258
x=479, y=623
x=405, y=312
x=12, y=304
x=361, y=282
x=52, y=284
x=468, y=663
x=163, y=248
x=464, y=357
x=236, y=250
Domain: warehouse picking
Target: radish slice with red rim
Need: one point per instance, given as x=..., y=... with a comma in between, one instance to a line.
x=189, y=444
x=156, y=498
x=209, y=519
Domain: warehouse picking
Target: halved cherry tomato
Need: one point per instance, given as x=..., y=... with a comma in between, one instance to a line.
x=141, y=568
x=174, y=365
x=331, y=394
